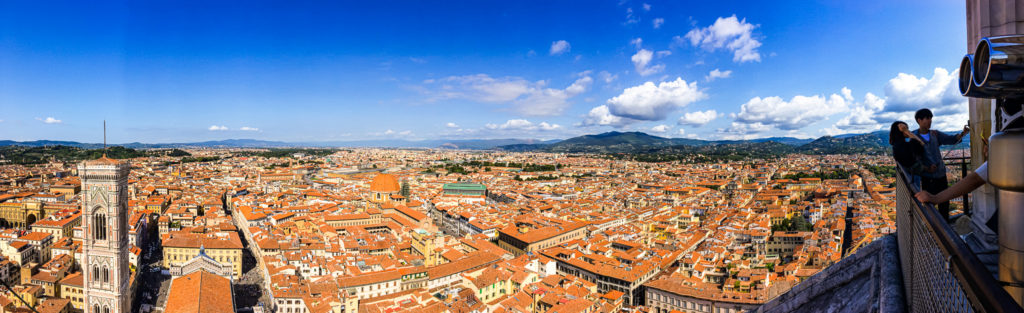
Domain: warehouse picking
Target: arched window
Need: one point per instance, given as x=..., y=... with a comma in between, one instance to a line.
x=106, y=274
x=96, y=308
x=99, y=227
x=95, y=277
x=106, y=309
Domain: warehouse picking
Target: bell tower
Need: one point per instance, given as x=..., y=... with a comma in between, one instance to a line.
x=105, y=243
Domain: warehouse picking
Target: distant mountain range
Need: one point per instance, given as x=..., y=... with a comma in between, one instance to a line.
x=638, y=142
x=610, y=142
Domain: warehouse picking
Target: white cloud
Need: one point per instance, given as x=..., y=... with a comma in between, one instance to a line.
x=451, y=125
x=218, y=128
x=642, y=59
x=405, y=133
x=251, y=129
x=529, y=98
x=796, y=113
x=548, y=101
x=699, y=118
x=904, y=94
x=860, y=118
x=681, y=132
x=630, y=19
x=716, y=74
x=658, y=22
x=523, y=125
x=647, y=7
x=559, y=47
x=49, y=120
x=601, y=116
x=654, y=102
x=727, y=33
x=907, y=92
x=546, y=126
x=637, y=42
x=607, y=77
x=389, y=132
x=738, y=131
x=661, y=129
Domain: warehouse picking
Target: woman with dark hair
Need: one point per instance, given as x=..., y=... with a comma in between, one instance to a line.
x=908, y=150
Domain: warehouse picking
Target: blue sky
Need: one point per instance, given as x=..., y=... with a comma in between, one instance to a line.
x=178, y=72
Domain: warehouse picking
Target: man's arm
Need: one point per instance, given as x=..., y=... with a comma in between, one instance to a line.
x=968, y=184
x=945, y=139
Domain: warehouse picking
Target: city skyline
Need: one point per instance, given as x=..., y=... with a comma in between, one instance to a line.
x=175, y=73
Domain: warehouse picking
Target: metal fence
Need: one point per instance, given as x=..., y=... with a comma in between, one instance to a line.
x=940, y=273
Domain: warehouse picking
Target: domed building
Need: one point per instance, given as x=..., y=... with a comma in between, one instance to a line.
x=383, y=187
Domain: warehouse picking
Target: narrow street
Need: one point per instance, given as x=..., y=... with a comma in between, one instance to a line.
x=249, y=287
x=848, y=231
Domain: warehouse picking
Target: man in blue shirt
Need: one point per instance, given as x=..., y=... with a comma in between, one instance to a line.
x=933, y=179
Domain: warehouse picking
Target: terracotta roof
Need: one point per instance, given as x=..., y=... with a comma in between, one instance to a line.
x=385, y=183
x=210, y=241
x=75, y=279
x=200, y=292
x=103, y=161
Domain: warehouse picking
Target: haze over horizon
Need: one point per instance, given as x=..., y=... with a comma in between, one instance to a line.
x=175, y=72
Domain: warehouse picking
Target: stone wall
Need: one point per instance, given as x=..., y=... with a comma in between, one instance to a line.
x=867, y=281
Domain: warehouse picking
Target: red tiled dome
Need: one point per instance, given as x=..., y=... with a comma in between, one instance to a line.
x=385, y=183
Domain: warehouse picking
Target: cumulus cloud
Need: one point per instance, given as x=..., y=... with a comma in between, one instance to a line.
x=661, y=129
x=699, y=118
x=389, y=132
x=652, y=102
x=716, y=74
x=658, y=22
x=904, y=94
x=795, y=113
x=451, y=125
x=49, y=120
x=218, y=128
x=251, y=129
x=729, y=33
x=647, y=7
x=559, y=47
x=528, y=98
x=641, y=61
x=907, y=92
x=523, y=125
x=860, y=118
x=602, y=116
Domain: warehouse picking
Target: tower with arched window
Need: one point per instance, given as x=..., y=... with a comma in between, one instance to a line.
x=105, y=246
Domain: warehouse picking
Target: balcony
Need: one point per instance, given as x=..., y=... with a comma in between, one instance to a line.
x=940, y=272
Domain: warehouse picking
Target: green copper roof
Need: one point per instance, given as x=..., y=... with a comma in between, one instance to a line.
x=464, y=186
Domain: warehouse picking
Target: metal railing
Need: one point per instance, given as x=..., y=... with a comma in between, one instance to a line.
x=940, y=273
x=960, y=163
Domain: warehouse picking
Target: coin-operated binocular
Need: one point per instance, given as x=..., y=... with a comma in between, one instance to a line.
x=996, y=71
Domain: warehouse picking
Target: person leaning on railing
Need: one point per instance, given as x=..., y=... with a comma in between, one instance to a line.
x=908, y=150
x=934, y=178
